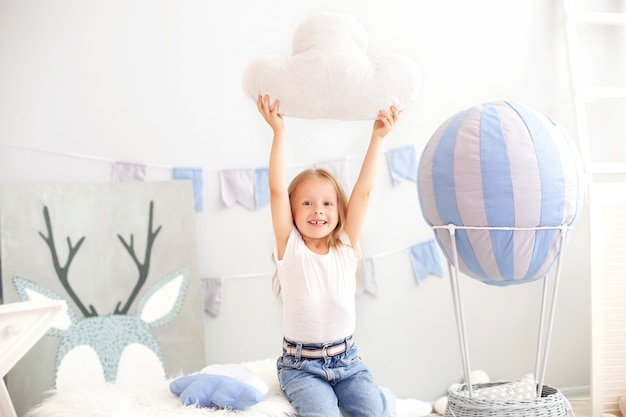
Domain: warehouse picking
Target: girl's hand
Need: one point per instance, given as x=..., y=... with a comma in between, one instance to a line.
x=271, y=115
x=385, y=122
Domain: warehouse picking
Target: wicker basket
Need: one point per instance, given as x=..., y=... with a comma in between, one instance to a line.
x=551, y=404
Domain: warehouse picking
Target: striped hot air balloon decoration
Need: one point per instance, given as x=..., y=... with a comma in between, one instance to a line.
x=508, y=179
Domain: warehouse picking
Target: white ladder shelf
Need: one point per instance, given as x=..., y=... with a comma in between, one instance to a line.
x=606, y=207
x=583, y=94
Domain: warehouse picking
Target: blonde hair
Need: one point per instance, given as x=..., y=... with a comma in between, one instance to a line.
x=334, y=240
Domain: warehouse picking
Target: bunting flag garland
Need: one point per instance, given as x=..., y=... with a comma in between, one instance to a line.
x=367, y=278
x=261, y=187
x=250, y=187
x=424, y=256
x=237, y=186
x=212, y=295
x=126, y=171
x=426, y=260
x=402, y=163
x=196, y=177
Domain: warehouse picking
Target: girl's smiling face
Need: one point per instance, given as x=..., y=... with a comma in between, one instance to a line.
x=314, y=209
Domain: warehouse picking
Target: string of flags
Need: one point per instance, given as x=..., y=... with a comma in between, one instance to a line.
x=250, y=188
x=424, y=259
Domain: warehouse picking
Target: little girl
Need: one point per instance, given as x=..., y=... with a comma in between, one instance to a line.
x=316, y=250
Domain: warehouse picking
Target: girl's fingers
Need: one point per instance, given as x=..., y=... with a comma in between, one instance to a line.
x=269, y=113
x=389, y=119
x=275, y=106
x=263, y=104
x=385, y=117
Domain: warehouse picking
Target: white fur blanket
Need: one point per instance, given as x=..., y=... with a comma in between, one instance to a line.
x=156, y=400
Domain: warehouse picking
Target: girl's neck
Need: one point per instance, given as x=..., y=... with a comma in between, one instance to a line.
x=318, y=246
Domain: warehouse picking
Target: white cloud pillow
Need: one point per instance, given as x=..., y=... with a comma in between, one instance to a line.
x=330, y=75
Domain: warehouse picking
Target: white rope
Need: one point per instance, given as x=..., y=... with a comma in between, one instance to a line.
x=455, y=227
x=111, y=161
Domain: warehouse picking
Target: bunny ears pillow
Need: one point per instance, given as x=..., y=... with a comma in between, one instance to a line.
x=329, y=74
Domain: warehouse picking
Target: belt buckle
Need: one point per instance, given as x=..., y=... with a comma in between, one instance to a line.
x=325, y=350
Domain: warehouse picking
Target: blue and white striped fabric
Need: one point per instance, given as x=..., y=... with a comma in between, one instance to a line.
x=500, y=165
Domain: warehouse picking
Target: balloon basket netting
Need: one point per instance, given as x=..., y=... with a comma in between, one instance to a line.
x=552, y=403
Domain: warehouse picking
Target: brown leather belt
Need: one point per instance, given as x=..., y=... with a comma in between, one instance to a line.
x=324, y=352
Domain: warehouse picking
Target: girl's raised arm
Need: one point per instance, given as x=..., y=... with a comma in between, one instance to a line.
x=282, y=220
x=359, y=198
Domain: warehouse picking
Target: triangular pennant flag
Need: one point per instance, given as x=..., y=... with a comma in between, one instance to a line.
x=367, y=278
x=339, y=169
x=402, y=164
x=261, y=187
x=426, y=261
x=195, y=175
x=212, y=295
x=126, y=171
x=238, y=186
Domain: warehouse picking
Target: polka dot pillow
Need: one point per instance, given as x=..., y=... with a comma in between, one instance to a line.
x=520, y=389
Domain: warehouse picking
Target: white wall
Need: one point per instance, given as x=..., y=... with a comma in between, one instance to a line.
x=84, y=83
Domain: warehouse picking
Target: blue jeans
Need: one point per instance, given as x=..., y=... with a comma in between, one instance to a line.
x=321, y=387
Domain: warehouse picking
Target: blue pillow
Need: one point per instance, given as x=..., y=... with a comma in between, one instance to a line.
x=207, y=390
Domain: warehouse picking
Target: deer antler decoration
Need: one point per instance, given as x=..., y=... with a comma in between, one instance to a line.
x=62, y=271
x=142, y=267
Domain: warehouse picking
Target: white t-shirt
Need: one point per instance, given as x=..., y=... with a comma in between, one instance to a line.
x=318, y=291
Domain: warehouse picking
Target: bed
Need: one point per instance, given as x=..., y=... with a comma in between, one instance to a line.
x=155, y=399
